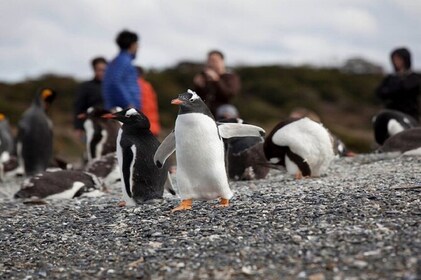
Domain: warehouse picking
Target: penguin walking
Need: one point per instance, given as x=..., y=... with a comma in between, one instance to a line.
x=136, y=146
x=62, y=184
x=101, y=135
x=197, y=140
x=35, y=134
x=303, y=146
x=390, y=122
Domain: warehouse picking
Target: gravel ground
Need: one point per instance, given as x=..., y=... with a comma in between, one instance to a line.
x=361, y=221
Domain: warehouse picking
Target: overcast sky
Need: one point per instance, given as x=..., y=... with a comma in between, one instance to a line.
x=50, y=36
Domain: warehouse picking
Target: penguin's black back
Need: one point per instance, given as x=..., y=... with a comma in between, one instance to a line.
x=148, y=179
x=36, y=138
x=380, y=124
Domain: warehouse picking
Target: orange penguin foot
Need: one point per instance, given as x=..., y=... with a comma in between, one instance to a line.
x=121, y=203
x=185, y=204
x=299, y=175
x=223, y=203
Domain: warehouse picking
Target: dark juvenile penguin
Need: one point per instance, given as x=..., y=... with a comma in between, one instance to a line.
x=101, y=134
x=35, y=134
x=407, y=142
x=59, y=185
x=390, y=122
x=244, y=156
x=197, y=140
x=105, y=168
x=136, y=146
x=304, y=147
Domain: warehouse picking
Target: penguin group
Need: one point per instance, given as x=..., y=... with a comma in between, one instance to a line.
x=121, y=147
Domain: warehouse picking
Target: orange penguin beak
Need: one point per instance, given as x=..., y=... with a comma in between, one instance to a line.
x=81, y=116
x=177, y=101
x=2, y=117
x=108, y=116
x=46, y=93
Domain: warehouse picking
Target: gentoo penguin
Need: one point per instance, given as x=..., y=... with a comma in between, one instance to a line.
x=136, y=146
x=197, y=140
x=407, y=142
x=6, y=139
x=6, y=144
x=35, y=134
x=59, y=185
x=389, y=122
x=244, y=156
x=303, y=146
x=101, y=134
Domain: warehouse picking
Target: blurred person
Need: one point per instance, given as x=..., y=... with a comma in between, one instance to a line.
x=226, y=111
x=120, y=87
x=89, y=93
x=215, y=85
x=149, y=102
x=400, y=91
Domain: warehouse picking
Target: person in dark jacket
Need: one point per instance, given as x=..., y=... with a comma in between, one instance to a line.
x=120, y=87
x=400, y=91
x=89, y=93
x=215, y=85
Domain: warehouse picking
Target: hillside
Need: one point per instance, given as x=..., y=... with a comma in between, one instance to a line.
x=345, y=102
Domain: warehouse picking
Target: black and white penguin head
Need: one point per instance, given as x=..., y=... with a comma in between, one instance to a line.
x=190, y=102
x=45, y=97
x=130, y=116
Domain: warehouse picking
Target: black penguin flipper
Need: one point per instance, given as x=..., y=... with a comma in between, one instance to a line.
x=164, y=150
x=300, y=162
x=128, y=159
x=230, y=130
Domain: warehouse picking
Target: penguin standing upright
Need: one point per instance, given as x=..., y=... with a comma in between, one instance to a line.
x=136, y=146
x=201, y=173
x=35, y=134
x=6, y=139
x=6, y=144
x=303, y=146
x=101, y=135
x=390, y=122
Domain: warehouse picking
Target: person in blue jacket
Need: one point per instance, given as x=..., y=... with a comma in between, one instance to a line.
x=120, y=87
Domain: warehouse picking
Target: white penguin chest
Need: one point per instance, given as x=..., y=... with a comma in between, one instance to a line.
x=197, y=135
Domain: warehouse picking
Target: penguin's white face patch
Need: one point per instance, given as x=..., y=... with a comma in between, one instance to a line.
x=194, y=95
x=131, y=112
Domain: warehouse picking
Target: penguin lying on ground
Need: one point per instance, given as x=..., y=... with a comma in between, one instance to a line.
x=59, y=185
x=303, y=146
x=136, y=145
x=244, y=156
x=101, y=134
x=390, y=122
x=407, y=142
x=35, y=134
x=197, y=140
x=105, y=168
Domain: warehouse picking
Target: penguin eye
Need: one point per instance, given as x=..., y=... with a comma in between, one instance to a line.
x=191, y=100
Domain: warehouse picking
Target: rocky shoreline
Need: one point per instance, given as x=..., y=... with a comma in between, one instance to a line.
x=360, y=221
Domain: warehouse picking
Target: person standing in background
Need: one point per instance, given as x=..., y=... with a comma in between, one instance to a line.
x=400, y=91
x=89, y=93
x=214, y=84
x=120, y=87
x=149, y=102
